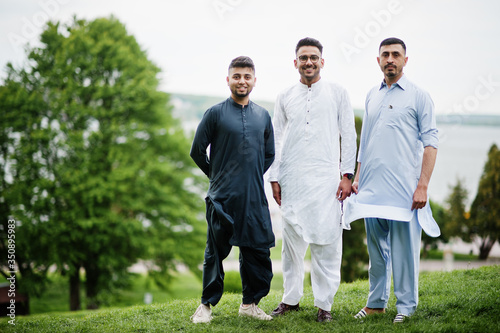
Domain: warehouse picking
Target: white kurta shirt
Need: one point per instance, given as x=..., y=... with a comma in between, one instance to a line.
x=308, y=123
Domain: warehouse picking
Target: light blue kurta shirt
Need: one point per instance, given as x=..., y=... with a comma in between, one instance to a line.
x=398, y=123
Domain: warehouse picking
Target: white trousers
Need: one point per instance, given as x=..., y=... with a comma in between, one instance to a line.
x=325, y=269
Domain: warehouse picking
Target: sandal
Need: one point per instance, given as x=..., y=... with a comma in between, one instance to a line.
x=399, y=318
x=360, y=314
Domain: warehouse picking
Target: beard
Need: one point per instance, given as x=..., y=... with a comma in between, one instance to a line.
x=392, y=73
x=238, y=94
x=235, y=91
x=309, y=76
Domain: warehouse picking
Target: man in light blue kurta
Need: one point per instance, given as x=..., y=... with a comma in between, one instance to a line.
x=395, y=161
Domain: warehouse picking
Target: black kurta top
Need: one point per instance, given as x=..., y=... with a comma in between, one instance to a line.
x=241, y=143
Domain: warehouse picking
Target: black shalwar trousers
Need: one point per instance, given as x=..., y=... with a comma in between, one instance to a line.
x=255, y=263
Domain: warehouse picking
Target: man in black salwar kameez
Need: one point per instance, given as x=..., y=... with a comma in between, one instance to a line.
x=240, y=135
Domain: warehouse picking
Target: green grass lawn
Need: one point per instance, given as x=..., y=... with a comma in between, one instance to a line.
x=56, y=297
x=185, y=286
x=459, y=301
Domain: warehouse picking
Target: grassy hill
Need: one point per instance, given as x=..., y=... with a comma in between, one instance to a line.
x=190, y=109
x=459, y=301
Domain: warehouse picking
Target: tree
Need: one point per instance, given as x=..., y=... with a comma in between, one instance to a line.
x=19, y=169
x=485, y=210
x=457, y=222
x=97, y=167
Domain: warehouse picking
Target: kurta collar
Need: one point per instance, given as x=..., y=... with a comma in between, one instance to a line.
x=239, y=106
x=402, y=83
x=314, y=85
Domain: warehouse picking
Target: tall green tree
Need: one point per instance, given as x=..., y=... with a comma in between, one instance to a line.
x=98, y=173
x=22, y=190
x=457, y=222
x=485, y=210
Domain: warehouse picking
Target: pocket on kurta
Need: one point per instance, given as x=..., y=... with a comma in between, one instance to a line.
x=396, y=116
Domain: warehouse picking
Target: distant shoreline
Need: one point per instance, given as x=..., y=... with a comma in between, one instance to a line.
x=469, y=120
x=192, y=107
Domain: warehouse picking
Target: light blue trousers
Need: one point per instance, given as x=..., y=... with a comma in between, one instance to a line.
x=393, y=246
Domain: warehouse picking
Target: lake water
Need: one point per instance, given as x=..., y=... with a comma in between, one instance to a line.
x=463, y=151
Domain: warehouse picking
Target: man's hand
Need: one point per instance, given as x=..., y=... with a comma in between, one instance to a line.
x=419, y=198
x=276, y=192
x=355, y=185
x=344, y=190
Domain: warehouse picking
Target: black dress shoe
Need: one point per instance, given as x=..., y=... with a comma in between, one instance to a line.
x=324, y=316
x=284, y=308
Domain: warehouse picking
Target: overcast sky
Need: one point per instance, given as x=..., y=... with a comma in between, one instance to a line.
x=453, y=45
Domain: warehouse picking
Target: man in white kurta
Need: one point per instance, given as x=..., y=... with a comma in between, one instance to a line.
x=310, y=117
x=396, y=157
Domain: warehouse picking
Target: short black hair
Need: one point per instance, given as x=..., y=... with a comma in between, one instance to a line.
x=308, y=41
x=242, y=62
x=392, y=41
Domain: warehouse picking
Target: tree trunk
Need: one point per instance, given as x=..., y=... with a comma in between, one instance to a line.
x=91, y=287
x=74, y=290
x=485, y=248
x=425, y=250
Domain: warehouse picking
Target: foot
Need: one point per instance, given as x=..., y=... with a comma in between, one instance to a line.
x=324, y=316
x=284, y=308
x=253, y=311
x=400, y=318
x=366, y=311
x=202, y=315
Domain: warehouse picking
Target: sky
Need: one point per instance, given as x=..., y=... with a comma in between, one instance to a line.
x=453, y=46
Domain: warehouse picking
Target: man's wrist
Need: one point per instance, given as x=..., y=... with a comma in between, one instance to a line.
x=348, y=176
